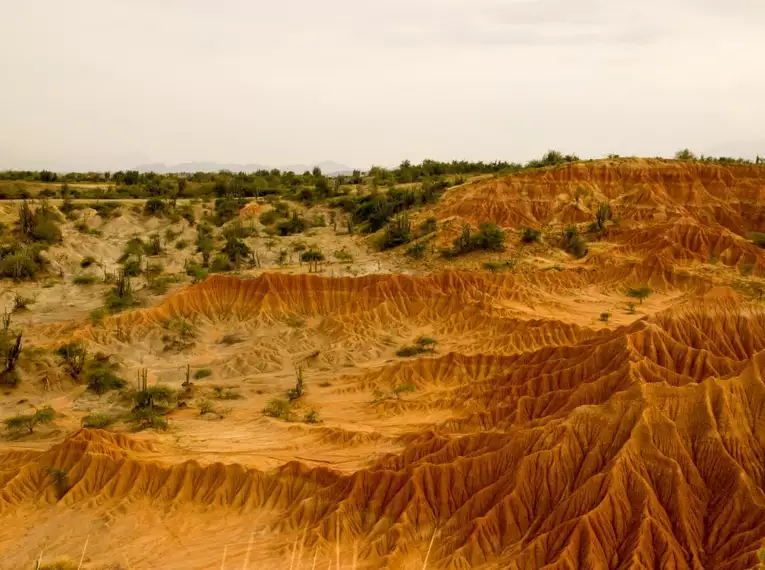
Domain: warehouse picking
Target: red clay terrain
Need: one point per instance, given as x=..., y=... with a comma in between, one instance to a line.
x=536, y=435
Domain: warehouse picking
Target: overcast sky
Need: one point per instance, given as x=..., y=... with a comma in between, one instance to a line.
x=106, y=84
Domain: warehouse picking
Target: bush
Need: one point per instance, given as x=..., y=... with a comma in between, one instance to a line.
x=573, y=243
x=99, y=421
x=492, y=266
x=220, y=264
x=196, y=272
x=30, y=421
x=270, y=217
x=132, y=268
x=427, y=227
x=21, y=303
x=403, y=389
x=641, y=292
x=154, y=207
x=758, y=239
x=530, y=235
x=397, y=232
x=100, y=377
x=146, y=418
x=87, y=261
x=488, y=238
x=46, y=231
x=278, y=408
x=605, y=317
x=311, y=417
x=294, y=225
x=416, y=251
x=202, y=373
x=59, y=564
x=181, y=244
x=19, y=266
x=85, y=279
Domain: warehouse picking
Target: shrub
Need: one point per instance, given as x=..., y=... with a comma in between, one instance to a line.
x=46, y=231
x=605, y=317
x=530, y=235
x=758, y=239
x=146, y=418
x=397, y=232
x=20, y=422
x=220, y=264
x=311, y=417
x=403, y=389
x=19, y=266
x=206, y=407
x=427, y=227
x=85, y=279
x=492, y=266
x=196, y=272
x=100, y=377
x=312, y=257
x=640, y=293
x=488, y=238
x=407, y=351
x=59, y=564
x=416, y=251
x=343, y=255
x=74, y=355
x=202, y=373
x=132, y=268
x=99, y=421
x=294, y=225
x=21, y=303
x=270, y=217
x=154, y=207
x=87, y=261
x=181, y=244
x=573, y=243
x=278, y=408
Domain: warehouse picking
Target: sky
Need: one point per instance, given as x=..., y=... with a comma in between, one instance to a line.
x=109, y=84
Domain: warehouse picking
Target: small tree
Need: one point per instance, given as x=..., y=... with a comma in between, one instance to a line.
x=19, y=422
x=685, y=154
x=312, y=257
x=640, y=293
x=602, y=216
x=60, y=479
x=530, y=235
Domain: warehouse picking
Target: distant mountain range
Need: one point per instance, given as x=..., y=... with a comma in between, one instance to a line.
x=327, y=167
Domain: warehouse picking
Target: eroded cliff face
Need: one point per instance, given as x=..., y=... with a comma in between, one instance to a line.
x=529, y=441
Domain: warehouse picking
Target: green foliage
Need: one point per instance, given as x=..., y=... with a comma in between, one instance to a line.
x=226, y=209
x=202, y=373
x=630, y=308
x=236, y=250
x=602, y=216
x=312, y=257
x=416, y=251
x=98, y=421
x=640, y=293
x=221, y=264
x=492, y=266
x=21, y=422
x=758, y=239
x=530, y=235
x=344, y=256
x=398, y=232
x=605, y=317
x=404, y=389
x=312, y=417
x=573, y=243
x=100, y=376
x=148, y=418
x=196, y=272
x=58, y=564
x=294, y=225
x=299, y=389
x=73, y=356
x=685, y=154
x=278, y=408
x=224, y=394
x=421, y=345
x=85, y=279
x=120, y=297
x=87, y=261
x=427, y=227
x=155, y=207
x=21, y=303
x=19, y=266
x=488, y=238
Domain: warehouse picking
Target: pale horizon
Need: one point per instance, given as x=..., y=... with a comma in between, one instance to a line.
x=112, y=84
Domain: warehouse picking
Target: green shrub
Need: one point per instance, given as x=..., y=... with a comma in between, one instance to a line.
x=605, y=317
x=196, y=272
x=202, y=373
x=311, y=417
x=181, y=244
x=294, y=225
x=403, y=389
x=21, y=303
x=46, y=231
x=398, y=232
x=427, y=227
x=492, y=266
x=146, y=418
x=132, y=268
x=99, y=421
x=416, y=251
x=278, y=408
x=640, y=293
x=530, y=235
x=220, y=264
x=154, y=207
x=85, y=279
x=758, y=239
x=19, y=266
x=488, y=238
x=28, y=422
x=573, y=243
x=100, y=377
x=87, y=261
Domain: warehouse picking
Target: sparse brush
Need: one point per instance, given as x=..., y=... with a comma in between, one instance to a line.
x=21, y=303
x=85, y=279
x=28, y=422
x=278, y=408
x=416, y=251
x=202, y=373
x=530, y=235
x=206, y=407
x=605, y=317
x=58, y=564
x=87, y=261
x=98, y=421
x=404, y=389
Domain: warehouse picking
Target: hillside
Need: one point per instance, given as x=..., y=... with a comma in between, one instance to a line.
x=524, y=407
